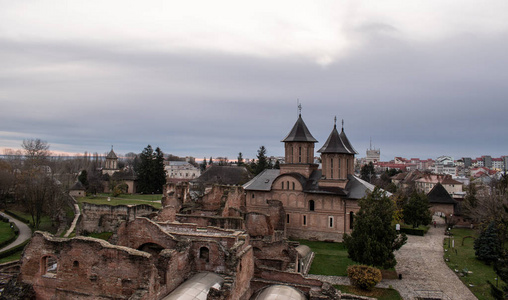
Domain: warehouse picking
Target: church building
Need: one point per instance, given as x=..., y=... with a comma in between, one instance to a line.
x=320, y=203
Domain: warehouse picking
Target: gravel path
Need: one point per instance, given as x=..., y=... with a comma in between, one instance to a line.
x=424, y=272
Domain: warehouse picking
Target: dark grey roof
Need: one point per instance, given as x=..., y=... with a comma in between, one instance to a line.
x=262, y=182
x=299, y=133
x=231, y=175
x=78, y=186
x=439, y=194
x=337, y=143
x=358, y=188
x=128, y=174
x=112, y=154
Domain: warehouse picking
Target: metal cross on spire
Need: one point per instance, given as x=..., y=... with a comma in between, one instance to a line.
x=342, y=124
x=299, y=108
x=335, y=121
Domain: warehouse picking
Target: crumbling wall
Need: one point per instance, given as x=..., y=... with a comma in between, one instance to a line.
x=206, y=221
x=141, y=231
x=107, y=218
x=86, y=268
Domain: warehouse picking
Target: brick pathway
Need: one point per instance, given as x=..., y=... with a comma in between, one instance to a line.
x=421, y=263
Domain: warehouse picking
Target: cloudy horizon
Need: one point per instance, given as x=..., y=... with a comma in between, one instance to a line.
x=421, y=79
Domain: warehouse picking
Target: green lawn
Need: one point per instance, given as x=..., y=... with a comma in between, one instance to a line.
x=462, y=257
x=15, y=256
x=45, y=225
x=103, y=199
x=6, y=232
x=378, y=293
x=145, y=197
x=330, y=258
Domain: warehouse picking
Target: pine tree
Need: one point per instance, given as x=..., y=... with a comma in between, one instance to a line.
x=488, y=246
x=367, y=172
x=374, y=239
x=203, y=165
x=159, y=173
x=416, y=210
x=262, y=161
x=240, y=159
x=144, y=170
x=83, y=178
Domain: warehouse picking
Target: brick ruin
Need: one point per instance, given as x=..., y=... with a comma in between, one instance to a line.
x=153, y=252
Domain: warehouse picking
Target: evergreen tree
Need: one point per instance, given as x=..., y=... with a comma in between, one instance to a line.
x=240, y=159
x=203, y=165
x=367, y=172
x=83, y=178
x=210, y=162
x=144, y=171
x=487, y=246
x=262, y=163
x=374, y=239
x=416, y=210
x=276, y=165
x=151, y=173
x=159, y=172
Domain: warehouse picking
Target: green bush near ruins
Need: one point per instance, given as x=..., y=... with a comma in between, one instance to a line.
x=462, y=260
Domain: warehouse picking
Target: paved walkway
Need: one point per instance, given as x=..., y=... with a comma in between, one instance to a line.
x=421, y=263
x=77, y=213
x=24, y=232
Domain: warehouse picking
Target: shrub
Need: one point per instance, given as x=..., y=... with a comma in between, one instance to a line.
x=363, y=277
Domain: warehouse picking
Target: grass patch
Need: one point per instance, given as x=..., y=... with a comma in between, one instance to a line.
x=114, y=201
x=6, y=232
x=330, y=258
x=379, y=293
x=144, y=197
x=12, y=257
x=462, y=257
x=103, y=235
x=45, y=225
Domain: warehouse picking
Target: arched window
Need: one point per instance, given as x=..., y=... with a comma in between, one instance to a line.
x=351, y=219
x=311, y=205
x=299, y=154
x=282, y=186
x=293, y=185
x=204, y=254
x=287, y=185
x=331, y=168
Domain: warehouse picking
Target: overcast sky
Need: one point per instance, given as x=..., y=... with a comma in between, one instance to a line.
x=214, y=78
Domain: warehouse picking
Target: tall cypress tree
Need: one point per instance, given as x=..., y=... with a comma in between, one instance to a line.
x=416, y=210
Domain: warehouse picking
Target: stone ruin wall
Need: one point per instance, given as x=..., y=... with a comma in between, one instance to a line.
x=97, y=269
x=107, y=218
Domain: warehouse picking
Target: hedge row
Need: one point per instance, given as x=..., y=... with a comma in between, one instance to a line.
x=413, y=231
x=17, y=217
x=13, y=238
x=13, y=250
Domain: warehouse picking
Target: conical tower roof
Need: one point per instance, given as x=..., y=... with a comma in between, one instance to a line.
x=300, y=133
x=112, y=154
x=337, y=143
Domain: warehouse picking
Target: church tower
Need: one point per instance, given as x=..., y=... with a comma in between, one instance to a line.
x=299, y=150
x=338, y=157
x=111, y=163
